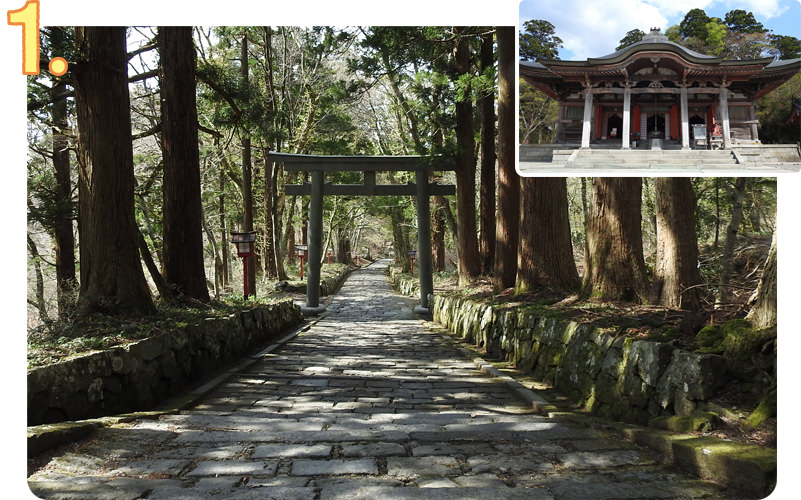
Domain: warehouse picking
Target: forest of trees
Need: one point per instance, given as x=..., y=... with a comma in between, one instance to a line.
x=154, y=147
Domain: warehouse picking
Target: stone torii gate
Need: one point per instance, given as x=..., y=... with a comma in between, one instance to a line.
x=318, y=165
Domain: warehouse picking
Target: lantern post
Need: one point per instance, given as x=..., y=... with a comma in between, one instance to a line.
x=300, y=251
x=245, y=243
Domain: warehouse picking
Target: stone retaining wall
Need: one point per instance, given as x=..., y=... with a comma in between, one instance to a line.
x=142, y=374
x=615, y=377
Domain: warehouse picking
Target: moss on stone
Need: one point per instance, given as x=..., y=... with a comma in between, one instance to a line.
x=738, y=342
x=765, y=410
x=710, y=339
x=696, y=421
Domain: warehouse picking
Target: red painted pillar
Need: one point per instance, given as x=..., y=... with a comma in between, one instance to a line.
x=245, y=264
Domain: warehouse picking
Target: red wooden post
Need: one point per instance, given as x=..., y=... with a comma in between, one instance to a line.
x=244, y=248
x=245, y=264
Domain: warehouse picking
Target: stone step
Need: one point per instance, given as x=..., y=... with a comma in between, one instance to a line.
x=659, y=157
x=638, y=159
x=657, y=166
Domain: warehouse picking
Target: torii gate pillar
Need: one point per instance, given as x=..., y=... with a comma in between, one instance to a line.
x=424, y=241
x=315, y=239
x=369, y=165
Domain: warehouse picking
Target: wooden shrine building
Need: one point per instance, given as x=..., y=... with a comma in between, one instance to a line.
x=657, y=89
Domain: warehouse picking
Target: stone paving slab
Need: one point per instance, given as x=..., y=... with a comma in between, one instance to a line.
x=359, y=407
x=414, y=467
x=334, y=467
x=234, y=468
x=292, y=451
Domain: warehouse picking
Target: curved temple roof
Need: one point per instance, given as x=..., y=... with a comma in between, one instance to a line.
x=755, y=76
x=648, y=43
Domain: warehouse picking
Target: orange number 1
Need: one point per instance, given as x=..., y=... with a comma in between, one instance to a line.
x=28, y=18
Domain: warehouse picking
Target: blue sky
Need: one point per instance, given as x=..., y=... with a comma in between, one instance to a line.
x=591, y=28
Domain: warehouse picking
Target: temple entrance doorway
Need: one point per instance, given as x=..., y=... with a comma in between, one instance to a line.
x=614, y=127
x=656, y=123
x=697, y=120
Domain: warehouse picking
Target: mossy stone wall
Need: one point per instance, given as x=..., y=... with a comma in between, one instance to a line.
x=142, y=374
x=614, y=377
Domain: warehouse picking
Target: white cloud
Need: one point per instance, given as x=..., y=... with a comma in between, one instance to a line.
x=762, y=9
x=590, y=28
x=674, y=8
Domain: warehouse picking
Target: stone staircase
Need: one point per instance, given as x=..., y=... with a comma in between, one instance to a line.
x=651, y=159
x=776, y=155
x=746, y=158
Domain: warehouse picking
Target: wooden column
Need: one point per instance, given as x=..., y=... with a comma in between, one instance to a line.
x=752, y=117
x=724, y=117
x=586, y=126
x=560, y=126
x=626, y=117
x=685, y=120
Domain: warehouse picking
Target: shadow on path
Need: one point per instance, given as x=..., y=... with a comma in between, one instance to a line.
x=366, y=404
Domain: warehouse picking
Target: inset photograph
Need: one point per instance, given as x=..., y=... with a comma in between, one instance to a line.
x=659, y=89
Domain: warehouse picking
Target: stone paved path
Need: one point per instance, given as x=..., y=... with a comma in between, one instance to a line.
x=367, y=404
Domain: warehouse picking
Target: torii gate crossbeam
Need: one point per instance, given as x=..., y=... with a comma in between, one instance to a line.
x=318, y=165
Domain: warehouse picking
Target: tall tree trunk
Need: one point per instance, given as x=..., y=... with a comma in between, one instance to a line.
x=545, y=258
x=400, y=237
x=269, y=231
x=716, y=243
x=440, y=205
x=39, y=303
x=272, y=214
x=437, y=239
x=279, y=199
x=467, y=241
x=151, y=232
x=736, y=194
x=64, y=238
x=763, y=313
x=247, y=175
x=585, y=211
x=615, y=267
x=487, y=187
x=676, y=266
x=289, y=230
x=112, y=280
x=162, y=287
x=215, y=252
x=507, y=221
x=226, y=259
x=184, y=267
x=754, y=204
